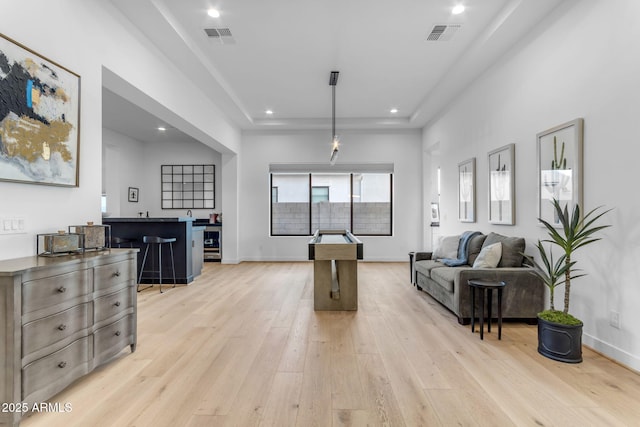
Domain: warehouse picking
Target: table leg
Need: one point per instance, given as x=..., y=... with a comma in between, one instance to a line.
x=500, y=313
x=473, y=309
x=411, y=275
x=482, y=315
x=490, y=298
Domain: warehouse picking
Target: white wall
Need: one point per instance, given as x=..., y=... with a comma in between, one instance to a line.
x=167, y=153
x=567, y=68
x=85, y=37
x=132, y=163
x=122, y=158
x=403, y=148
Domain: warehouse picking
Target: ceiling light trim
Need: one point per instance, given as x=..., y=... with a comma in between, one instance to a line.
x=448, y=87
x=458, y=9
x=202, y=57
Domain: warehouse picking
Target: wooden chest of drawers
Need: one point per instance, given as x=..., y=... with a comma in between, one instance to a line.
x=60, y=318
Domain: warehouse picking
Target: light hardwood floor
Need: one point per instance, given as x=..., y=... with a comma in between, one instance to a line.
x=242, y=346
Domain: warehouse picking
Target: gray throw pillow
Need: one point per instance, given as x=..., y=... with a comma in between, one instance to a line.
x=489, y=256
x=512, y=249
x=447, y=247
x=474, y=248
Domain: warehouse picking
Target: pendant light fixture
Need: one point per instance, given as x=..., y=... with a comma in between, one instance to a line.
x=333, y=81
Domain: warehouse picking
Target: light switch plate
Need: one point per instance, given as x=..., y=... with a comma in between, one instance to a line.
x=12, y=225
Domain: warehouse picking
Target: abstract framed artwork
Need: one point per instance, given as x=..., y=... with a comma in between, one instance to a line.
x=39, y=118
x=133, y=194
x=467, y=190
x=501, y=185
x=559, y=168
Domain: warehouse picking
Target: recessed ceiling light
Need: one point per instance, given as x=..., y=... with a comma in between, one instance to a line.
x=162, y=128
x=393, y=110
x=214, y=13
x=268, y=112
x=457, y=9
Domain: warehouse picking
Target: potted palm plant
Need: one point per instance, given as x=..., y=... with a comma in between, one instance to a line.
x=560, y=333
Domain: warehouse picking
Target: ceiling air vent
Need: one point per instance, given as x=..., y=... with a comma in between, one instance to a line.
x=223, y=35
x=443, y=32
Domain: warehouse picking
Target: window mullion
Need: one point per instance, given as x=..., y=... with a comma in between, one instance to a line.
x=351, y=203
x=310, y=208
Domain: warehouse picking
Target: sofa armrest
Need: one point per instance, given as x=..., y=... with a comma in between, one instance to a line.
x=523, y=297
x=419, y=256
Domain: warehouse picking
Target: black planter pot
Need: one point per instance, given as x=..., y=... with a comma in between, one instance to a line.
x=560, y=342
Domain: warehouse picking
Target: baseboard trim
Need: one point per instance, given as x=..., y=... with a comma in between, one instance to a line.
x=298, y=259
x=612, y=352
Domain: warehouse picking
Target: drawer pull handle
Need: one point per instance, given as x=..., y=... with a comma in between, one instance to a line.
x=117, y=274
x=62, y=364
x=117, y=333
x=62, y=327
x=62, y=289
x=117, y=304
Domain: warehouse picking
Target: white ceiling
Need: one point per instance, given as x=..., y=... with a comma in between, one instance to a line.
x=284, y=50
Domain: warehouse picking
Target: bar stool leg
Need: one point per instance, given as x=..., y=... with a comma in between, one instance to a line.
x=144, y=260
x=160, y=268
x=173, y=267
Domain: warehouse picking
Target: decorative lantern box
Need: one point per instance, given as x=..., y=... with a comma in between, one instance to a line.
x=61, y=243
x=96, y=237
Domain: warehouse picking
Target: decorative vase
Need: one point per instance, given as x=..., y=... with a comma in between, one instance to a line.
x=560, y=342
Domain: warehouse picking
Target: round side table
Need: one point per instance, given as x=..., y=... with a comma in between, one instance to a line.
x=486, y=285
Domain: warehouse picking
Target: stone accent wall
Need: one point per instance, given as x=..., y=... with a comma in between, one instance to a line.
x=290, y=218
x=371, y=218
x=293, y=218
x=330, y=216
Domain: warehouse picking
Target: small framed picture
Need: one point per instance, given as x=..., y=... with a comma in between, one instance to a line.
x=435, y=214
x=133, y=194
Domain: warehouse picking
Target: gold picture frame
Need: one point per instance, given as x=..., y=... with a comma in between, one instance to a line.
x=39, y=118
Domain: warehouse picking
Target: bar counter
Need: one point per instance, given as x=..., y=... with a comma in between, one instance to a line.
x=187, y=251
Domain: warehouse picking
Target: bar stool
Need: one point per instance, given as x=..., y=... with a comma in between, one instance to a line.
x=121, y=241
x=157, y=242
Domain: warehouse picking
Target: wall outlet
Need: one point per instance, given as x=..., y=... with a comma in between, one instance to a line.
x=614, y=319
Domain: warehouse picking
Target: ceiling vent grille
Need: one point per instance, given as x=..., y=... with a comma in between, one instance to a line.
x=443, y=32
x=223, y=35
